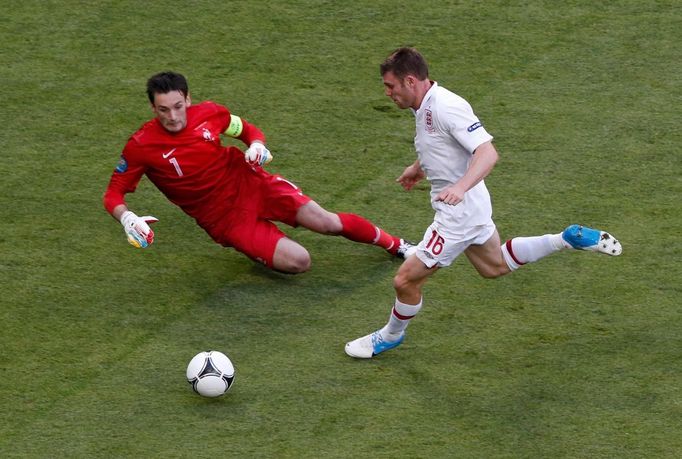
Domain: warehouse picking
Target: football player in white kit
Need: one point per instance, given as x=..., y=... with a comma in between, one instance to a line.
x=454, y=153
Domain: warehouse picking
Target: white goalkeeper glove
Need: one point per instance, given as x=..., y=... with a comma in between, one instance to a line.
x=137, y=229
x=257, y=154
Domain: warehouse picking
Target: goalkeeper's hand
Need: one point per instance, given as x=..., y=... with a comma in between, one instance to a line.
x=257, y=154
x=137, y=229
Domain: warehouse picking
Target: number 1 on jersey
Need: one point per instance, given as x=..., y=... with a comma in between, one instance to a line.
x=175, y=164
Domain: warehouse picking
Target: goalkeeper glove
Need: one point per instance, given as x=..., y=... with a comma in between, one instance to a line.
x=257, y=154
x=137, y=229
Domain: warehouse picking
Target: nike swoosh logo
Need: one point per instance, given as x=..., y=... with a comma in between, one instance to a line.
x=166, y=155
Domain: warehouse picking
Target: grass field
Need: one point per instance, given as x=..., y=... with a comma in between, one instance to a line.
x=577, y=356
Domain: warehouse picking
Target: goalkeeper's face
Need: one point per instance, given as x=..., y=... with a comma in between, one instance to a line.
x=171, y=110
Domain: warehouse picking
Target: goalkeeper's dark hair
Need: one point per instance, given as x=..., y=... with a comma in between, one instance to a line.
x=406, y=61
x=165, y=82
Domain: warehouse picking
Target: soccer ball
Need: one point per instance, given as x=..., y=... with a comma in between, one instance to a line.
x=210, y=373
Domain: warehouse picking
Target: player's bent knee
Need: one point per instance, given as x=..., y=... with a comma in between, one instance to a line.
x=402, y=284
x=291, y=257
x=293, y=264
x=301, y=264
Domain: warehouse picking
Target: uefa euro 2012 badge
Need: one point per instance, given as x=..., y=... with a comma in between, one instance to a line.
x=122, y=165
x=474, y=126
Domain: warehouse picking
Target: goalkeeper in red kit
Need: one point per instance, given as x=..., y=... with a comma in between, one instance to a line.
x=226, y=190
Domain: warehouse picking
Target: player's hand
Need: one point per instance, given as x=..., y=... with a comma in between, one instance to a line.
x=451, y=195
x=137, y=229
x=412, y=175
x=257, y=154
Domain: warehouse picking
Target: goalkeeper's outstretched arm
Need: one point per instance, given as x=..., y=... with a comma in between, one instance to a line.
x=137, y=229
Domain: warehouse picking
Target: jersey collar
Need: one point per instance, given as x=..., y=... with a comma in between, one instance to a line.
x=427, y=97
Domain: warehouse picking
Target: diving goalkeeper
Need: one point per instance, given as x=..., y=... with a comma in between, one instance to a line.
x=226, y=190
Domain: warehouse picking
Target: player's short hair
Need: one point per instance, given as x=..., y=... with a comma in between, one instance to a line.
x=165, y=82
x=406, y=61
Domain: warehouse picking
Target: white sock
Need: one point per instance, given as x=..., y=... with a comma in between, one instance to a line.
x=401, y=314
x=521, y=250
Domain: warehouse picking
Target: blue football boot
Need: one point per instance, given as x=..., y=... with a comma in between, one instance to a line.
x=584, y=238
x=370, y=345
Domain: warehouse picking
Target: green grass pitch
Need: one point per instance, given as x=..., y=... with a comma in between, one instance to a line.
x=577, y=356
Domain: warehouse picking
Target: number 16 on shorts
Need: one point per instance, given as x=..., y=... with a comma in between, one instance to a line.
x=436, y=243
x=438, y=249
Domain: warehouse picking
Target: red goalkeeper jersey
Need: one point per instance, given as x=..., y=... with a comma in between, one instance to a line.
x=191, y=167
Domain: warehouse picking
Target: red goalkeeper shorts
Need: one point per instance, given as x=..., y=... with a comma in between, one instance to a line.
x=248, y=226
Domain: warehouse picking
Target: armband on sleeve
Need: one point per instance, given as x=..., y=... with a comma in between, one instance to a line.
x=236, y=126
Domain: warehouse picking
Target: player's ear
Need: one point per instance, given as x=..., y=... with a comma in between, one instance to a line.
x=188, y=100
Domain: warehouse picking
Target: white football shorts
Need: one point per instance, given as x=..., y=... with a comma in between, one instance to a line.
x=442, y=248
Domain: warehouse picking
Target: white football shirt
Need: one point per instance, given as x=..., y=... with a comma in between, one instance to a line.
x=447, y=133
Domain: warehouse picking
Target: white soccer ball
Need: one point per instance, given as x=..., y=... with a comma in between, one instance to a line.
x=210, y=373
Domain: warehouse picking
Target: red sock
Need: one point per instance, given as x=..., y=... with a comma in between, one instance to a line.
x=359, y=229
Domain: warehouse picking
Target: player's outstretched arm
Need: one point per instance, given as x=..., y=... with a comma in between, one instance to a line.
x=137, y=229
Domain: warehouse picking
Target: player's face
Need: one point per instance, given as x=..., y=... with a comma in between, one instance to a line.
x=401, y=91
x=171, y=110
